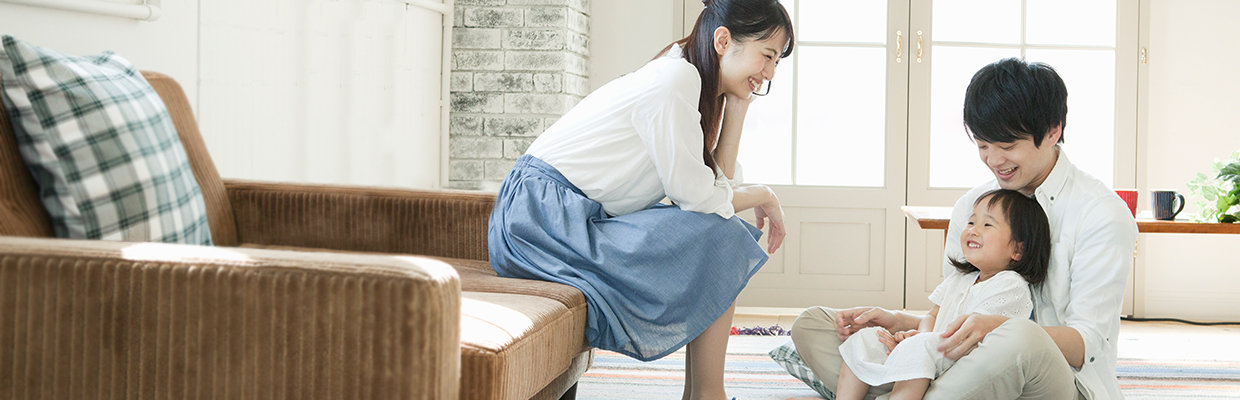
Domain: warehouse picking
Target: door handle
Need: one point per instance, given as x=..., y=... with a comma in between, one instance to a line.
x=899, y=45
x=919, y=47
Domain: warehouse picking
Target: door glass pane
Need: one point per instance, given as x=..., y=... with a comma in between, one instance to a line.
x=953, y=157
x=766, y=144
x=1092, y=22
x=1089, y=137
x=841, y=107
x=979, y=21
x=842, y=21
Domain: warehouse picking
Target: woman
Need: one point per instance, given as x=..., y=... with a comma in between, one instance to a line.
x=581, y=206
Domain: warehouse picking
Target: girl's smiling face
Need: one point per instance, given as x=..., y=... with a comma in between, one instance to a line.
x=744, y=65
x=987, y=240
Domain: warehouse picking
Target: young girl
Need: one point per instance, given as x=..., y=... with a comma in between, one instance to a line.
x=581, y=206
x=1007, y=248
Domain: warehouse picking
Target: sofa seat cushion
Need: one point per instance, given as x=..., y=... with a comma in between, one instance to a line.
x=477, y=276
x=517, y=335
x=512, y=345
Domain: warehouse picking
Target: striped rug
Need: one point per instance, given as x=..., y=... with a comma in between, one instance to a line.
x=750, y=374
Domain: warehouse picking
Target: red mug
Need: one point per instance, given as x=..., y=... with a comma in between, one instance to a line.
x=1130, y=197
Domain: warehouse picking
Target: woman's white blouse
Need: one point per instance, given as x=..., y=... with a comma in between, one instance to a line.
x=638, y=139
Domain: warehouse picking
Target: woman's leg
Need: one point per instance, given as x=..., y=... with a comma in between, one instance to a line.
x=704, y=358
x=912, y=389
x=688, y=375
x=850, y=386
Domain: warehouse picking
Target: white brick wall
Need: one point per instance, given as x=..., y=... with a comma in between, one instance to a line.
x=517, y=66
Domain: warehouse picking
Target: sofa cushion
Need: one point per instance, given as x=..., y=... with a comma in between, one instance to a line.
x=512, y=345
x=101, y=146
x=517, y=335
x=477, y=276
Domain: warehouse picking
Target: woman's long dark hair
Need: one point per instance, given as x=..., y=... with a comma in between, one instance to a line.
x=746, y=20
x=1030, y=230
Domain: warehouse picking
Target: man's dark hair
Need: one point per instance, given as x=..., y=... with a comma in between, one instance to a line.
x=1011, y=99
x=1030, y=230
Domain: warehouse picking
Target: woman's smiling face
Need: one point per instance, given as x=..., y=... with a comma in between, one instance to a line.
x=744, y=65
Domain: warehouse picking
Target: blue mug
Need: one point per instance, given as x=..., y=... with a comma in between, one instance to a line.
x=1164, y=204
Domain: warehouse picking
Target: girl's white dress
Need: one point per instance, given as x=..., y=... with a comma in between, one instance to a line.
x=1007, y=294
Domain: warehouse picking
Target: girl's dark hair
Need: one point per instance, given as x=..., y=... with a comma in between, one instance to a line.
x=746, y=20
x=1030, y=231
x=1011, y=99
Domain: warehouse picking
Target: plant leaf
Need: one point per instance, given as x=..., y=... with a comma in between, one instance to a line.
x=1210, y=193
x=1231, y=172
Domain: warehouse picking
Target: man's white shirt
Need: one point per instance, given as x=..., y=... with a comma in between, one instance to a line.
x=1093, y=236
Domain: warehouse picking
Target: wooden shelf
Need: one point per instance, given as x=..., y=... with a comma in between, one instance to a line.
x=939, y=217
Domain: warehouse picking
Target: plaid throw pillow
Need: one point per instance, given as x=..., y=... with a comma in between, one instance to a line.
x=786, y=356
x=101, y=146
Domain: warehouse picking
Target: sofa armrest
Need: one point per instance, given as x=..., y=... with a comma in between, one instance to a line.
x=95, y=319
x=443, y=223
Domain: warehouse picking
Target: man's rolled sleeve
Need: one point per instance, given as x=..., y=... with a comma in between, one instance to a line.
x=1101, y=263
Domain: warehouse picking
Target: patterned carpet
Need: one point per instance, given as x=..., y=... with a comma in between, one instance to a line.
x=752, y=375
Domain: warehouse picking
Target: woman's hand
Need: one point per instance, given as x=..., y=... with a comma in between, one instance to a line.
x=732, y=102
x=771, y=210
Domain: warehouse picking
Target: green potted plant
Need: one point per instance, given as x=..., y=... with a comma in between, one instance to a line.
x=1217, y=197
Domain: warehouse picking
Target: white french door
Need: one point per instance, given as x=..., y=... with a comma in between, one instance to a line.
x=865, y=118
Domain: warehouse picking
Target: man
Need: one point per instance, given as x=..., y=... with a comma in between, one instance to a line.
x=1016, y=112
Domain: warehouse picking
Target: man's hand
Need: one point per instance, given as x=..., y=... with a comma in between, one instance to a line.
x=848, y=322
x=963, y=335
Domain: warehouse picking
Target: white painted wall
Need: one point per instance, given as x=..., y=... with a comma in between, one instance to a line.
x=288, y=90
x=620, y=44
x=168, y=45
x=322, y=91
x=1192, y=105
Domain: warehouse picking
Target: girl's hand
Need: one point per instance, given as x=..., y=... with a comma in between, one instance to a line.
x=887, y=339
x=900, y=336
x=771, y=210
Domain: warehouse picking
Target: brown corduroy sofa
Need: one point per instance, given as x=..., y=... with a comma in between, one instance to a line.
x=311, y=292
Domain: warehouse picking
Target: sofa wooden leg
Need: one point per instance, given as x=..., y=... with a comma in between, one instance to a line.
x=571, y=394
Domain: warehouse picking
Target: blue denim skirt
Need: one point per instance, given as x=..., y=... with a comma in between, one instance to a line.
x=653, y=280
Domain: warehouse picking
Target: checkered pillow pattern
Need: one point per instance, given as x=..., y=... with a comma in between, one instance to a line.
x=101, y=146
x=786, y=356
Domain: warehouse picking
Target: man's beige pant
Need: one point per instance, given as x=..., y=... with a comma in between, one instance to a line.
x=1018, y=360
